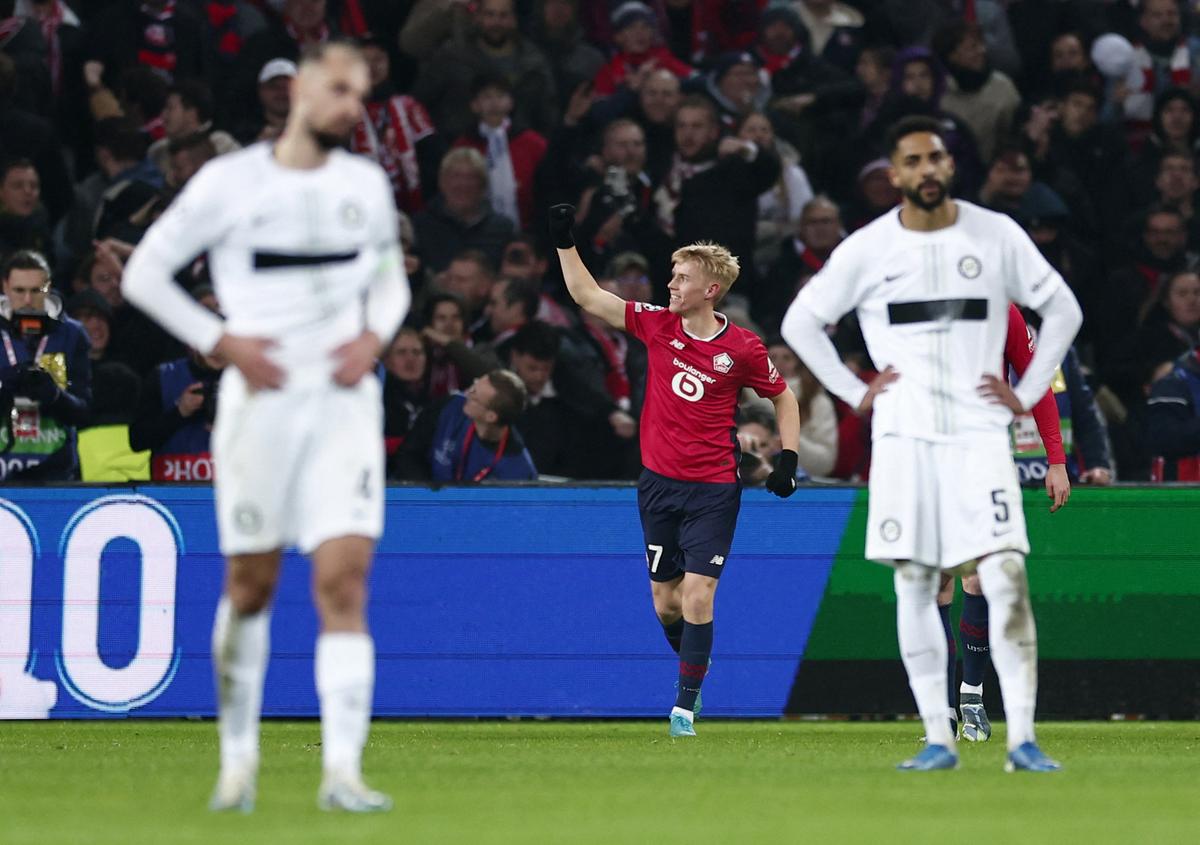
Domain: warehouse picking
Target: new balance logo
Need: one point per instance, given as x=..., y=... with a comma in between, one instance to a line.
x=717, y=560
x=677, y=343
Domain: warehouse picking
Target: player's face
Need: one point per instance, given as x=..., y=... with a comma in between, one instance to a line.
x=690, y=289
x=329, y=96
x=922, y=169
x=534, y=372
x=27, y=289
x=1183, y=300
x=448, y=320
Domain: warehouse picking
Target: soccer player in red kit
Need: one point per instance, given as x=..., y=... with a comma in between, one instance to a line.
x=689, y=492
x=973, y=625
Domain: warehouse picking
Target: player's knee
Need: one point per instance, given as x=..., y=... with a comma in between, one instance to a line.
x=249, y=595
x=698, y=598
x=971, y=584
x=668, y=608
x=916, y=583
x=342, y=593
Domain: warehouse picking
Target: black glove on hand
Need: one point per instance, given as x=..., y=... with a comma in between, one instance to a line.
x=782, y=480
x=36, y=384
x=562, y=218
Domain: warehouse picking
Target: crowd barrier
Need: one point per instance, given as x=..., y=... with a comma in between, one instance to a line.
x=533, y=601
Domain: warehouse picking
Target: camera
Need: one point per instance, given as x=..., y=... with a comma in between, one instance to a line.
x=208, y=408
x=617, y=192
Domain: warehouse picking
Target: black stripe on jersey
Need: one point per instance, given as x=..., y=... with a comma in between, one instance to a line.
x=933, y=310
x=277, y=260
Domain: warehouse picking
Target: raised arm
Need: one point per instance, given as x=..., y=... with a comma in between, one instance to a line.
x=580, y=284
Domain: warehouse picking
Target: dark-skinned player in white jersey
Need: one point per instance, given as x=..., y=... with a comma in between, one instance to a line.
x=931, y=284
x=689, y=492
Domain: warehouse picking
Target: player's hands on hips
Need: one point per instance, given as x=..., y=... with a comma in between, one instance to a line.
x=998, y=392
x=782, y=480
x=249, y=355
x=1100, y=476
x=356, y=358
x=878, y=385
x=562, y=218
x=1058, y=486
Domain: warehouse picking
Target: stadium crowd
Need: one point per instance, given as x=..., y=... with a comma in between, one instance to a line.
x=754, y=124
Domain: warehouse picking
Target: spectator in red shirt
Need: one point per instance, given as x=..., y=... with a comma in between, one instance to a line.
x=635, y=31
x=513, y=153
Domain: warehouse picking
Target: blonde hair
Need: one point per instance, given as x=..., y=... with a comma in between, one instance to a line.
x=714, y=260
x=467, y=157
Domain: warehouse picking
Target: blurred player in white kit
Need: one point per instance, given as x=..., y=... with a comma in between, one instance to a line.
x=931, y=282
x=302, y=243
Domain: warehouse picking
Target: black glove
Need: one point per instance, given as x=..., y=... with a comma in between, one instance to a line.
x=36, y=384
x=562, y=217
x=782, y=480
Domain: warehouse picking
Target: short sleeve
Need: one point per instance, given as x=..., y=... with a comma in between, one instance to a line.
x=1029, y=279
x=643, y=320
x=835, y=290
x=761, y=375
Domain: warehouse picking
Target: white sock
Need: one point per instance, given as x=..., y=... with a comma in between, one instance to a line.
x=965, y=688
x=241, y=644
x=923, y=647
x=345, y=669
x=1014, y=640
x=687, y=714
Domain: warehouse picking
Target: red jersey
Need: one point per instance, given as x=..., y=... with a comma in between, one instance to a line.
x=692, y=389
x=1018, y=352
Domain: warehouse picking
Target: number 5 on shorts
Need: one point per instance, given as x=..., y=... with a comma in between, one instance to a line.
x=1001, y=512
x=653, y=556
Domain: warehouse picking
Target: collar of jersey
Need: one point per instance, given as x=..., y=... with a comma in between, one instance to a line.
x=720, y=331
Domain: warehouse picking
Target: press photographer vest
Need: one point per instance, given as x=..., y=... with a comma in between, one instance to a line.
x=36, y=438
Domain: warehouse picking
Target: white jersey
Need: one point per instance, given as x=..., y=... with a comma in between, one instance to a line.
x=934, y=305
x=292, y=254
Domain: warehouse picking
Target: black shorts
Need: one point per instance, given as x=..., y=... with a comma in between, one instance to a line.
x=688, y=525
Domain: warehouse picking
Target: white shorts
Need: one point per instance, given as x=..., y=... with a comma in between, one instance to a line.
x=297, y=467
x=942, y=504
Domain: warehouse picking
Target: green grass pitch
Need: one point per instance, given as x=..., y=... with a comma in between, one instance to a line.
x=604, y=782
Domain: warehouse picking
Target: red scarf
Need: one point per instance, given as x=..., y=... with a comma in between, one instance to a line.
x=614, y=349
x=389, y=134
x=222, y=18
x=50, y=23
x=158, y=39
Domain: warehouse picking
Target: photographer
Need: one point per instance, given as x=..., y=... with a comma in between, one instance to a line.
x=175, y=420
x=45, y=376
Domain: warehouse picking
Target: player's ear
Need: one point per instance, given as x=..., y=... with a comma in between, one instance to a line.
x=491, y=416
x=893, y=177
